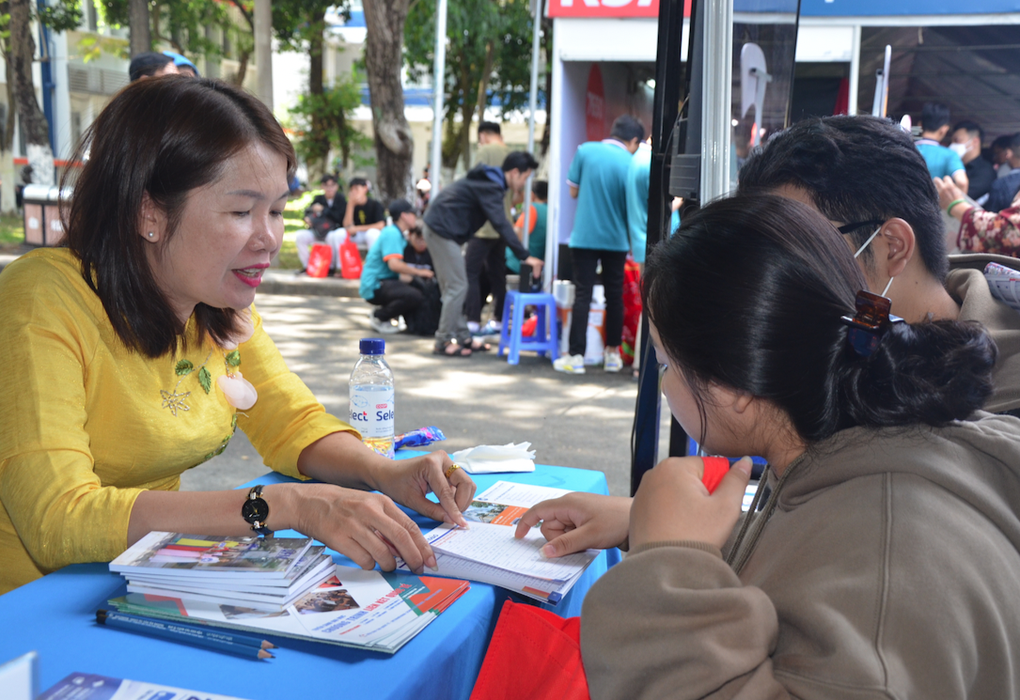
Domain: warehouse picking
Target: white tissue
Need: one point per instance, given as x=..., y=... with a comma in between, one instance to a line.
x=489, y=459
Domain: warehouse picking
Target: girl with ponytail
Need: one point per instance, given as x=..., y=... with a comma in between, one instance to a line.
x=886, y=560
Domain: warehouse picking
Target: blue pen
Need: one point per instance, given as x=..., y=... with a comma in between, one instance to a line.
x=232, y=643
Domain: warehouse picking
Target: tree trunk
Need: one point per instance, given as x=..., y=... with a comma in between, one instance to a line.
x=33, y=121
x=547, y=33
x=394, y=144
x=138, y=21
x=8, y=174
x=315, y=87
x=242, y=69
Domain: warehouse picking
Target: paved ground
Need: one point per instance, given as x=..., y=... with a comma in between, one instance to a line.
x=576, y=421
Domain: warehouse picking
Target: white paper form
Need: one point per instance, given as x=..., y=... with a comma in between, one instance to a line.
x=495, y=546
x=523, y=495
x=536, y=588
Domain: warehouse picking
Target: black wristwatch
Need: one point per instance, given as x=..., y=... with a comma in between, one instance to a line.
x=255, y=511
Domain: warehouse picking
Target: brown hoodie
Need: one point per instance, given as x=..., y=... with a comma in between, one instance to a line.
x=969, y=288
x=889, y=568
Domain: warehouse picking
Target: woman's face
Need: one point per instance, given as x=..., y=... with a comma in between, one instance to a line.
x=728, y=424
x=228, y=232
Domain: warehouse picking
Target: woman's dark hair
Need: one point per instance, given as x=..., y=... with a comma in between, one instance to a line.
x=161, y=137
x=749, y=294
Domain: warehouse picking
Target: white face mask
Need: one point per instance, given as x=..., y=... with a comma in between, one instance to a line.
x=959, y=149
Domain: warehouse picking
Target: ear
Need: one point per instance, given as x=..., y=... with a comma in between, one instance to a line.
x=899, y=247
x=152, y=221
x=742, y=402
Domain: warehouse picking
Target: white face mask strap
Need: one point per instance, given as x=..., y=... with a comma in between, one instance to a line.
x=867, y=243
x=886, y=290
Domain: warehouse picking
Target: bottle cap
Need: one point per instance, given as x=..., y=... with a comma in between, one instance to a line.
x=373, y=346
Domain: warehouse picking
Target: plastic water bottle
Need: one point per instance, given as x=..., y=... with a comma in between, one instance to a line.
x=371, y=397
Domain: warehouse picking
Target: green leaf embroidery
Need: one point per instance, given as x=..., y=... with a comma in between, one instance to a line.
x=233, y=424
x=205, y=379
x=184, y=367
x=233, y=358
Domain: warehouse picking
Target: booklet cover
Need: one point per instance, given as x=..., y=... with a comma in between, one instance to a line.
x=357, y=608
x=175, y=554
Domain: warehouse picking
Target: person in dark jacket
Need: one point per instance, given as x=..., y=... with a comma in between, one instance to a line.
x=452, y=218
x=332, y=218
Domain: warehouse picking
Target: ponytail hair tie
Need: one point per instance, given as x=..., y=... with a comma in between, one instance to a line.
x=870, y=322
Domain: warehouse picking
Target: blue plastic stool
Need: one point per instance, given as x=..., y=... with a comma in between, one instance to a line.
x=545, y=339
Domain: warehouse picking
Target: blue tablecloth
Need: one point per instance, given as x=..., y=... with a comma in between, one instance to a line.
x=56, y=617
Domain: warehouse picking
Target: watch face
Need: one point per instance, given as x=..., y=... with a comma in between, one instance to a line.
x=255, y=510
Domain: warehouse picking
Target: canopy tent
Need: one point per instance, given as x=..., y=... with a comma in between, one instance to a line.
x=973, y=70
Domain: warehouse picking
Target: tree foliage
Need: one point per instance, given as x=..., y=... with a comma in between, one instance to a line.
x=331, y=111
x=182, y=24
x=488, y=55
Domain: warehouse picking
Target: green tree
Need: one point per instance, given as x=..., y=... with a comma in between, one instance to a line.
x=488, y=53
x=182, y=24
x=331, y=111
x=300, y=25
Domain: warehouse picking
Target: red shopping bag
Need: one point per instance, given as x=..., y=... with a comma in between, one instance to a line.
x=533, y=654
x=319, y=260
x=631, y=310
x=350, y=260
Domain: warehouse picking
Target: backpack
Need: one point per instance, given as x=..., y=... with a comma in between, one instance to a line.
x=425, y=319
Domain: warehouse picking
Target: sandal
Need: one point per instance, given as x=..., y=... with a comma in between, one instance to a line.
x=479, y=345
x=451, y=349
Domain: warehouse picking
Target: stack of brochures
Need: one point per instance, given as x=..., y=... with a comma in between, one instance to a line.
x=488, y=552
x=262, y=573
x=277, y=586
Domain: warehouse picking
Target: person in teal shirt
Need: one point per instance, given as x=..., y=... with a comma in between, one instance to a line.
x=385, y=276
x=598, y=179
x=941, y=161
x=637, y=203
x=536, y=226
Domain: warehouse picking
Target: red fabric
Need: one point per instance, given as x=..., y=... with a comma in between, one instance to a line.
x=631, y=310
x=842, y=98
x=533, y=654
x=715, y=470
x=529, y=326
x=350, y=260
x=320, y=257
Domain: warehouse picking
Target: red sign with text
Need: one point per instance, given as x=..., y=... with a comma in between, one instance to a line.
x=608, y=8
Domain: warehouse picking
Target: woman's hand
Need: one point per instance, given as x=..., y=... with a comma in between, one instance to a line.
x=579, y=521
x=409, y=481
x=949, y=193
x=367, y=527
x=673, y=504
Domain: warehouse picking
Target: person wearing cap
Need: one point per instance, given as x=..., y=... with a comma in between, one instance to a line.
x=364, y=217
x=151, y=65
x=385, y=277
x=184, y=66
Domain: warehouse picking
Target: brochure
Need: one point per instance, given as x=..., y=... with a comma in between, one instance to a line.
x=364, y=609
x=489, y=553
x=217, y=558
x=90, y=686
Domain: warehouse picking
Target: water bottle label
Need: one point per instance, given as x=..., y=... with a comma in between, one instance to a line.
x=372, y=412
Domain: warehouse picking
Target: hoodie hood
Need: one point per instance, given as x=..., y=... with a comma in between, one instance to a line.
x=487, y=172
x=979, y=462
